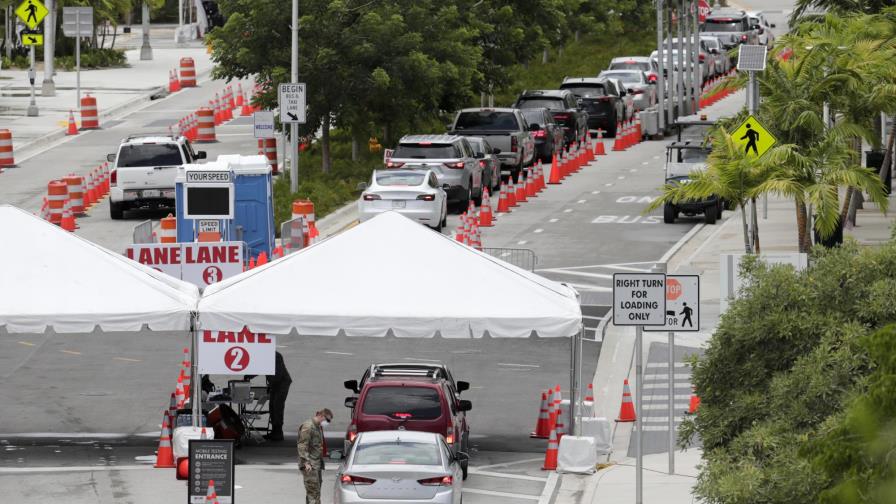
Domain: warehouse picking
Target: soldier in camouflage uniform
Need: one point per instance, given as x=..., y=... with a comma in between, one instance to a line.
x=311, y=447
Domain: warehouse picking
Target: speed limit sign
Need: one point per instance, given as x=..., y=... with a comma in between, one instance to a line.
x=236, y=353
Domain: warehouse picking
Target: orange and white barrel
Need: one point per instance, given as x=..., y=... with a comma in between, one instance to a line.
x=6, y=158
x=267, y=147
x=75, y=185
x=206, y=125
x=168, y=230
x=57, y=193
x=187, y=73
x=89, y=117
x=305, y=208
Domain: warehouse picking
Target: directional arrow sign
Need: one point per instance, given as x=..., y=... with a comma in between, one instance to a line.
x=31, y=12
x=30, y=38
x=292, y=103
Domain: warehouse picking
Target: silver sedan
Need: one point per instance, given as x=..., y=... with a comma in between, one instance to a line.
x=404, y=467
x=413, y=193
x=636, y=82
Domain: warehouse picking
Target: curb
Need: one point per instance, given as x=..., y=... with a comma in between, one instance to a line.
x=338, y=220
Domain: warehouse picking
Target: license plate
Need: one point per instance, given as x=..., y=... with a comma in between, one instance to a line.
x=151, y=193
x=168, y=194
x=398, y=203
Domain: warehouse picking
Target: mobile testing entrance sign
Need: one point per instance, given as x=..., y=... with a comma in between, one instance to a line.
x=211, y=460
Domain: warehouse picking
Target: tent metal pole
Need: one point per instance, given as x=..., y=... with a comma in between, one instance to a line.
x=195, y=382
x=575, y=407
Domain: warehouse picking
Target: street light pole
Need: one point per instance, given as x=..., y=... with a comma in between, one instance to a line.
x=145, y=49
x=294, y=128
x=660, y=79
x=48, y=88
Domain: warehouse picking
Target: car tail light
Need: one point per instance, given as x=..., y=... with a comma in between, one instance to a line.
x=437, y=481
x=371, y=197
x=449, y=435
x=540, y=134
x=348, y=479
x=426, y=197
x=455, y=166
x=651, y=78
x=113, y=178
x=352, y=432
x=743, y=38
x=604, y=98
x=561, y=117
x=701, y=57
x=514, y=144
x=390, y=164
x=637, y=91
x=482, y=163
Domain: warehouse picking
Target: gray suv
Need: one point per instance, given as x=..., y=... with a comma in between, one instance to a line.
x=732, y=27
x=450, y=157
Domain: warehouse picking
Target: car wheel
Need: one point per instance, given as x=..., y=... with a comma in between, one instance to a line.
x=611, y=131
x=116, y=210
x=669, y=213
x=478, y=199
x=465, y=199
x=711, y=213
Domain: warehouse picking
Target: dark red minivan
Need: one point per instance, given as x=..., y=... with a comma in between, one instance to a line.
x=415, y=400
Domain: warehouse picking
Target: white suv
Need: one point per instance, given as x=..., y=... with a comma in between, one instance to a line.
x=144, y=171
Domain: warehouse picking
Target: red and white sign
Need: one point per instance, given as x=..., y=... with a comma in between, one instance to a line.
x=236, y=353
x=702, y=10
x=682, y=304
x=201, y=264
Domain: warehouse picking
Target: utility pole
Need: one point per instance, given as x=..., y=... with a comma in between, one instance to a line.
x=145, y=49
x=660, y=79
x=48, y=87
x=294, y=128
x=688, y=59
x=698, y=81
x=673, y=89
x=682, y=61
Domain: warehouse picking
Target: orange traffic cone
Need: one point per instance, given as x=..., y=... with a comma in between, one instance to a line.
x=618, y=140
x=262, y=259
x=475, y=237
x=638, y=133
x=511, y=193
x=531, y=190
x=72, y=128
x=559, y=418
x=203, y=434
x=503, y=203
x=694, y=404
x=599, y=144
x=165, y=455
x=485, y=211
x=589, y=395
x=521, y=188
x=468, y=228
x=555, y=171
x=240, y=99
x=172, y=407
x=211, y=496
x=550, y=456
x=181, y=395
x=68, y=218
x=627, y=411
x=542, y=426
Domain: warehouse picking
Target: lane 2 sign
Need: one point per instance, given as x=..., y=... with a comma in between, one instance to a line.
x=236, y=353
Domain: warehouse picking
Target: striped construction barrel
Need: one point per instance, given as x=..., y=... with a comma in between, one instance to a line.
x=187, y=73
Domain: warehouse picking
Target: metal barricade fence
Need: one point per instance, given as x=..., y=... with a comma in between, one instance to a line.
x=292, y=237
x=521, y=258
x=143, y=232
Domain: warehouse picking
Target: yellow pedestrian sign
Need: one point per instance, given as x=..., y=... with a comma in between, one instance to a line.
x=753, y=138
x=31, y=12
x=30, y=38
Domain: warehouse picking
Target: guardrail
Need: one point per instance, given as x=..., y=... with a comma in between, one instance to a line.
x=521, y=258
x=292, y=237
x=143, y=232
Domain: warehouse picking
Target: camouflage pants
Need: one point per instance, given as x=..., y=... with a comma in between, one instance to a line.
x=312, y=486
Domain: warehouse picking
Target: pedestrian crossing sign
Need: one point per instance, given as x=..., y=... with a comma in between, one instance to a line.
x=682, y=304
x=32, y=37
x=32, y=13
x=753, y=138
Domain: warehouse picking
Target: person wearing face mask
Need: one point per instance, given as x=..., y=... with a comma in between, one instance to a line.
x=311, y=447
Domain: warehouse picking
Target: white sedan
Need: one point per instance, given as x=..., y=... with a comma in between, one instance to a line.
x=413, y=193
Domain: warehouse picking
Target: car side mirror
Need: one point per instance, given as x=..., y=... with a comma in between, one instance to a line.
x=772, y=25
x=761, y=31
x=350, y=402
x=496, y=151
x=534, y=127
x=713, y=51
x=462, y=386
x=461, y=457
x=362, y=186
x=464, y=405
x=351, y=384
x=446, y=187
x=110, y=158
x=201, y=154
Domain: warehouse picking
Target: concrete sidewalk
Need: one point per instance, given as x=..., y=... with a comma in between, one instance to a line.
x=117, y=90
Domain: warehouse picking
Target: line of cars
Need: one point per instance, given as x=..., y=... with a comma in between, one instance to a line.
x=408, y=437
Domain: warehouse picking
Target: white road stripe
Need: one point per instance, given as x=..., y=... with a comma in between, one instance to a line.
x=518, y=365
x=502, y=494
x=491, y=474
x=522, y=242
x=553, y=220
x=666, y=364
x=338, y=353
x=582, y=201
x=608, y=185
x=567, y=210
x=548, y=490
x=506, y=464
x=539, y=230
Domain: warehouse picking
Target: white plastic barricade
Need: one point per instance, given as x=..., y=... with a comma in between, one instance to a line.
x=182, y=437
x=599, y=429
x=577, y=455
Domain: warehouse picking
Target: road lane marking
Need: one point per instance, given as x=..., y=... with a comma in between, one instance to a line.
x=548, y=490
x=567, y=210
x=25, y=343
x=493, y=474
x=636, y=199
x=608, y=184
x=421, y=360
x=621, y=177
x=539, y=230
x=510, y=364
x=522, y=242
x=633, y=170
x=507, y=464
x=595, y=192
x=627, y=219
x=125, y=359
x=582, y=201
x=508, y=495
x=645, y=163
x=337, y=353
x=553, y=220
x=70, y=352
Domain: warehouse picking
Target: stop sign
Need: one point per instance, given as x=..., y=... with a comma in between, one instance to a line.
x=702, y=10
x=673, y=289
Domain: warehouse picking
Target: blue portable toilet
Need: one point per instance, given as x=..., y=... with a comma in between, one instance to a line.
x=253, y=211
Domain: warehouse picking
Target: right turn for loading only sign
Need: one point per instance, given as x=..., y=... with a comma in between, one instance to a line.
x=639, y=299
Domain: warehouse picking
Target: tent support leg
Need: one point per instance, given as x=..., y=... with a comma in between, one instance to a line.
x=195, y=382
x=575, y=380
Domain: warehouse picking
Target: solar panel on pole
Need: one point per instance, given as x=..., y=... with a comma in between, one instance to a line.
x=752, y=58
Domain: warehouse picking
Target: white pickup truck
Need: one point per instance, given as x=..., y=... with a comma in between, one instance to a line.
x=144, y=170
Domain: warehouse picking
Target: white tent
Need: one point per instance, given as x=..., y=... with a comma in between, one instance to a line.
x=392, y=274
x=51, y=278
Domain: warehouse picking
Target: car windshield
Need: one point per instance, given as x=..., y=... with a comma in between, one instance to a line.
x=476, y=144
x=397, y=452
x=548, y=103
x=425, y=151
x=721, y=25
x=165, y=154
x=630, y=65
x=586, y=90
x=486, y=120
x=407, y=403
x=399, y=178
x=694, y=155
x=710, y=44
x=534, y=116
x=626, y=77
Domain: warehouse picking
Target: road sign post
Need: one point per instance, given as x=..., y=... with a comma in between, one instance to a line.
x=77, y=22
x=32, y=13
x=639, y=299
x=291, y=101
